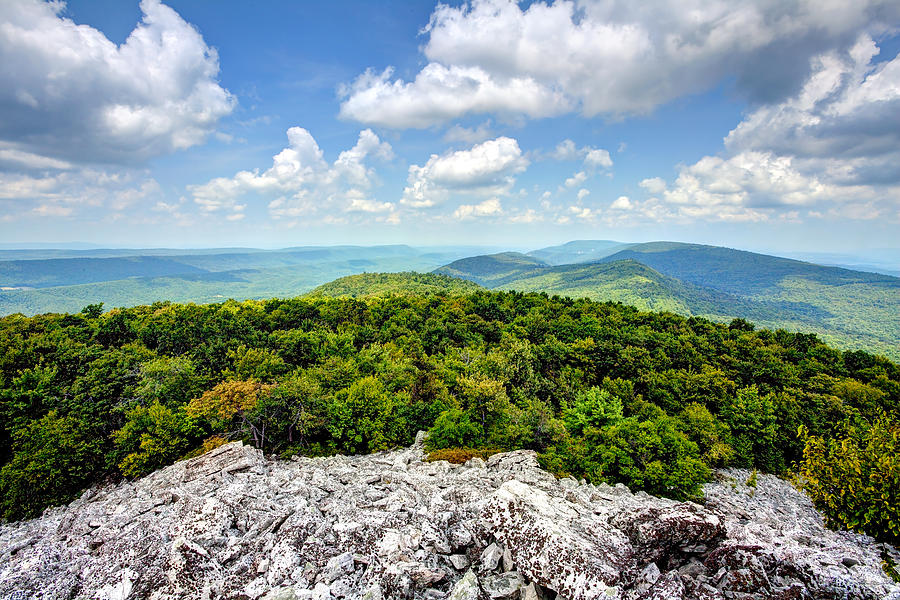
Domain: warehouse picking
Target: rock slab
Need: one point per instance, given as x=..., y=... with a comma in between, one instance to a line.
x=233, y=524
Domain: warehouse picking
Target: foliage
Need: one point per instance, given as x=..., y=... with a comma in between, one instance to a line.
x=382, y=284
x=232, y=407
x=593, y=408
x=854, y=479
x=455, y=429
x=360, y=417
x=55, y=457
x=599, y=390
x=154, y=436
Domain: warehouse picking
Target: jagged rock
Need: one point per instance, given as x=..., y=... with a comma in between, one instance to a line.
x=491, y=557
x=503, y=586
x=233, y=524
x=532, y=592
x=459, y=561
x=466, y=588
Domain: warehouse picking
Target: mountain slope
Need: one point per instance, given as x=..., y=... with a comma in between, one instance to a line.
x=848, y=308
x=492, y=270
x=737, y=271
x=74, y=271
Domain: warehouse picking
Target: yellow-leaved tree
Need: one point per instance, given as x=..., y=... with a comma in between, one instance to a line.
x=230, y=408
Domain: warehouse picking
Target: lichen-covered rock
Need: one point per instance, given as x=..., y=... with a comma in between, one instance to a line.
x=233, y=524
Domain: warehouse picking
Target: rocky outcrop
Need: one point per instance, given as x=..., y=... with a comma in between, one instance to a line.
x=234, y=524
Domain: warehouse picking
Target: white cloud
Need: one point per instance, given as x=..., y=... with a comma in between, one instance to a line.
x=612, y=57
x=597, y=157
x=68, y=93
x=582, y=194
x=487, y=169
x=565, y=150
x=489, y=208
x=621, y=203
x=847, y=110
x=468, y=135
x=654, y=185
x=89, y=193
x=593, y=157
x=528, y=216
x=752, y=186
x=369, y=206
x=300, y=181
x=439, y=94
x=833, y=148
x=584, y=213
x=576, y=179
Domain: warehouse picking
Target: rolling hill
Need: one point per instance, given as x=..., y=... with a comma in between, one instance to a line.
x=385, y=284
x=492, y=270
x=851, y=309
x=66, y=285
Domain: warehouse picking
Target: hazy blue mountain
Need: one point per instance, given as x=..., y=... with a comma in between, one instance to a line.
x=737, y=271
x=72, y=271
x=578, y=251
x=200, y=277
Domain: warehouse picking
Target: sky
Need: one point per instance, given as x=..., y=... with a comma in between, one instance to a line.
x=765, y=124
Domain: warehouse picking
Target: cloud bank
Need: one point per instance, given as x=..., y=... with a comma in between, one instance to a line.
x=70, y=95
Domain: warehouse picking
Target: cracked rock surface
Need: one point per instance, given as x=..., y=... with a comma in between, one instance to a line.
x=233, y=524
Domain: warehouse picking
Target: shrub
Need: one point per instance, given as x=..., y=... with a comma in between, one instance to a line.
x=360, y=418
x=458, y=456
x=654, y=456
x=854, y=479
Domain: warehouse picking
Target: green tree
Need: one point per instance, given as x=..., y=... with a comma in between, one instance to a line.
x=360, y=418
x=169, y=381
x=54, y=458
x=154, y=436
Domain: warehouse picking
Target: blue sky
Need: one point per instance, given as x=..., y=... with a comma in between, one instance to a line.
x=766, y=125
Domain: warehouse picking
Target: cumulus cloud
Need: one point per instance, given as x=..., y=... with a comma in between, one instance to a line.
x=487, y=169
x=832, y=148
x=489, y=208
x=300, y=181
x=439, y=94
x=594, y=158
x=469, y=135
x=597, y=157
x=654, y=185
x=576, y=179
x=847, y=109
x=621, y=203
x=609, y=57
x=69, y=94
x=91, y=193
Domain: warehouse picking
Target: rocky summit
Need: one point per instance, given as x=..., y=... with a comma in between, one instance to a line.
x=234, y=524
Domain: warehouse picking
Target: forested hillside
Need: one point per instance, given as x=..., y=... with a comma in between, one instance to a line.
x=600, y=390
x=385, y=284
x=850, y=309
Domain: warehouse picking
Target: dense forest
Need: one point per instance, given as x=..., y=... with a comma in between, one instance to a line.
x=600, y=390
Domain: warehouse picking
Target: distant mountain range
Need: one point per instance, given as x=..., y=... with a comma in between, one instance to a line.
x=848, y=308
x=845, y=307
